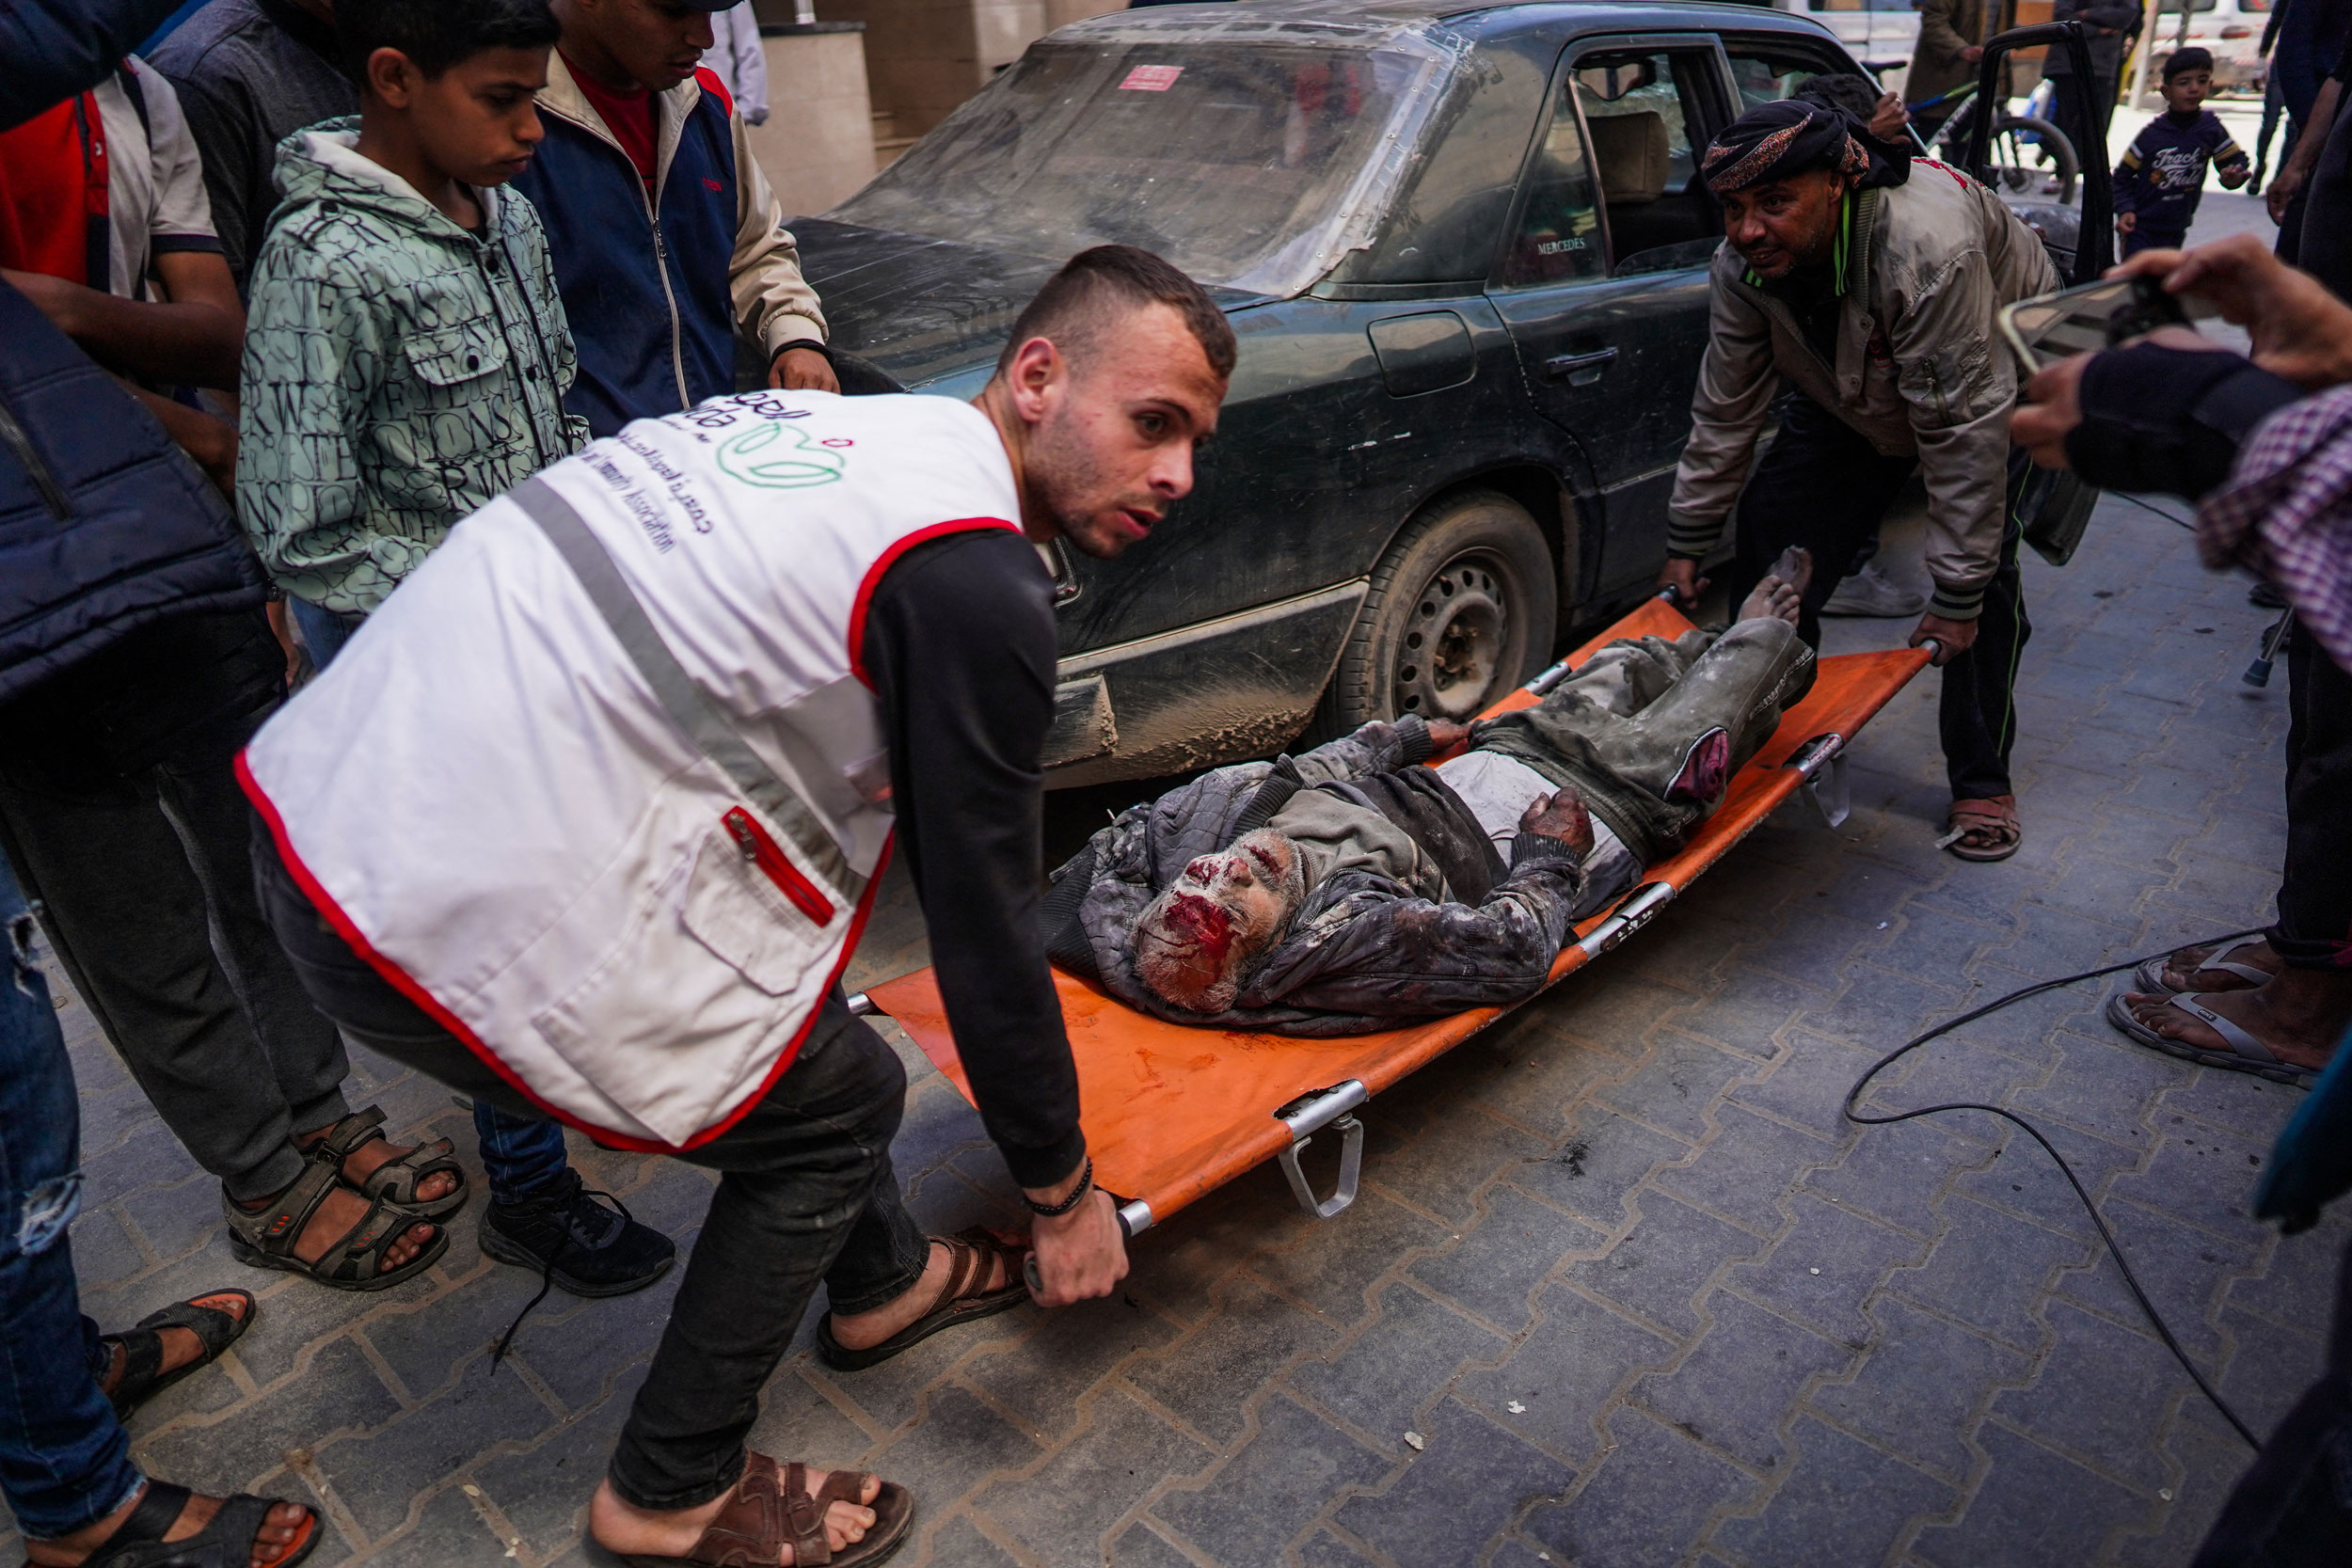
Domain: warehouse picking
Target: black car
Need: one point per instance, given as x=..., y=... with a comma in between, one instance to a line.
x=1467, y=261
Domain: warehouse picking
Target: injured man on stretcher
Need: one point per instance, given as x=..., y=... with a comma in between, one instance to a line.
x=1352, y=889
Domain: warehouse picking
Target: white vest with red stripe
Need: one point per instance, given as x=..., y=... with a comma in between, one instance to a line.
x=630, y=897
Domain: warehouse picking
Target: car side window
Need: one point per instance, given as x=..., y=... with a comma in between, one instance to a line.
x=1766, y=75
x=1640, y=110
x=1559, y=231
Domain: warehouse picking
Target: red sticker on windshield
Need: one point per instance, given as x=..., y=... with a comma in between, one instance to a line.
x=1151, y=78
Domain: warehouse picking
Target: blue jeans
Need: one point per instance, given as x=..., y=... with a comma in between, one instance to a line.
x=65, y=1461
x=518, y=1153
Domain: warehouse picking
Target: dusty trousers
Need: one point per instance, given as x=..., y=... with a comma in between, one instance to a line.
x=1824, y=487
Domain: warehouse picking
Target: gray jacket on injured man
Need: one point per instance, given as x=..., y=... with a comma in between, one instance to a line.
x=1410, y=890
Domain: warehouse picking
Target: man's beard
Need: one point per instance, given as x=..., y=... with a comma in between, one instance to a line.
x=1066, y=482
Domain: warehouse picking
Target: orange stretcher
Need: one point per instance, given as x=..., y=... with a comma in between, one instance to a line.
x=1173, y=1111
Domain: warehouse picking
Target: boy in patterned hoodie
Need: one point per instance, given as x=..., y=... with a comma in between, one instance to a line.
x=2161, y=176
x=405, y=361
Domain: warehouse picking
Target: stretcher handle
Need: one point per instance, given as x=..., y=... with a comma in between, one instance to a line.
x=1135, y=1218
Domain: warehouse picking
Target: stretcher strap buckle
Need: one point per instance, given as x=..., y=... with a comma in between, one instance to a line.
x=1309, y=1115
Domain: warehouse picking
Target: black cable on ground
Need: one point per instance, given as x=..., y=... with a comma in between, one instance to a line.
x=2174, y=519
x=2114, y=1250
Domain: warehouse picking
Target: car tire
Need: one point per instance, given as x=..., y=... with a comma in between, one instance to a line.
x=1463, y=607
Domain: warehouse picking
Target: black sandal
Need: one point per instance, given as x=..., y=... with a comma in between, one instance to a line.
x=226, y=1541
x=143, y=1376
x=969, y=1255
x=395, y=1180
x=266, y=1238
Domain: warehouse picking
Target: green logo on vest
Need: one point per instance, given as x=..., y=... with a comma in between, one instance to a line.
x=778, y=456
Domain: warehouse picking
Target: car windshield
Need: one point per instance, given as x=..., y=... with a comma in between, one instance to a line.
x=1249, y=154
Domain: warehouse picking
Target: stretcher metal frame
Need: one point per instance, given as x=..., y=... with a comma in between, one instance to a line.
x=1173, y=1111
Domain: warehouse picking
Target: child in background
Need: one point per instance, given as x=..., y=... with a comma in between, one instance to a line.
x=405, y=363
x=2162, y=174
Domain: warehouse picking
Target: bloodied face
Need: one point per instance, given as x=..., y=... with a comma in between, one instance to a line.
x=1197, y=938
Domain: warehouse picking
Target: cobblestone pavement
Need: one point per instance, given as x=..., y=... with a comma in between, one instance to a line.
x=1642, y=1295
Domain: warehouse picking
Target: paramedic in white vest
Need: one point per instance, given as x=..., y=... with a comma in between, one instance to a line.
x=588, y=817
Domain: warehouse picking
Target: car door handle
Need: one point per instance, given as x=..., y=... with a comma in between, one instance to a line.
x=1581, y=370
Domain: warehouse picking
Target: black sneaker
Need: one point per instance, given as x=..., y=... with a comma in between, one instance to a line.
x=576, y=1242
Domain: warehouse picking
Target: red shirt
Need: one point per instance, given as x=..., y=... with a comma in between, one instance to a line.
x=52, y=194
x=630, y=116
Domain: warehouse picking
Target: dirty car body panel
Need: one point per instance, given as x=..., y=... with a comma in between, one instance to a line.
x=1370, y=192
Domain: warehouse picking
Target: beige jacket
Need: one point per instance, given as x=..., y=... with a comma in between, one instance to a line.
x=1947, y=27
x=1920, y=369
x=773, y=303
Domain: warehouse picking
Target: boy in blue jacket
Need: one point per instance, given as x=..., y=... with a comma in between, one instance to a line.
x=2162, y=174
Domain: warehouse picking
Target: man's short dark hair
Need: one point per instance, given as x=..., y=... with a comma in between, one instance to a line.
x=438, y=34
x=1841, y=89
x=1072, y=309
x=2191, y=59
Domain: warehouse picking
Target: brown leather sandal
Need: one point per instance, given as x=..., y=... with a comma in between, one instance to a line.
x=771, y=1509
x=1985, y=830
x=970, y=1254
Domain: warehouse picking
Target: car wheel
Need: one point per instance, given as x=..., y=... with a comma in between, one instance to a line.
x=1463, y=608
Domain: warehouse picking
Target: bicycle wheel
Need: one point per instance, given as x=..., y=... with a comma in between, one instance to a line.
x=2029, y=154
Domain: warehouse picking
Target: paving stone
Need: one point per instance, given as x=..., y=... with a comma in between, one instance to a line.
x=1331, y=1265
x=1920, y=1388
x=376, y=1475
x=1470, y=1482
x=1654, y=1486
x=544, y=1489
x=1823, y=1269
x=339, y=1393
x=1264, y=1497
x=2032, y=1506
x=1724, y=1178
x=425, y=1349
x=2099, y=1391
x=1565, y=1373
x=1208, y=1377
x=2210, y=1464
x=1493, y=1270
x=1064, y=1512
x=1382, y=1378
x=1739, y=1382
x=1676, y=1085
x=2199, y=1174
x=1180, y=1266
x=1813, y=951
x=623, y=1329
x=450, y=1530
x=1987, y=1271
x=176, y=1219
x=1141, y=1546
x=2185, y=1271
x=891, y=1392
x=958, y=1544
x=1615, y=1015
x=1040, y=1379
x=2269, y=1371
x=104, y=1251
x=1808, y=1085
x=1747, y=1011
x=959, y=1442
x=1601, y=1163
x=2102, y=1086
x=1843, y=1501
x=1662, y=1265
x=1894, y=1173
x=1444, y=1172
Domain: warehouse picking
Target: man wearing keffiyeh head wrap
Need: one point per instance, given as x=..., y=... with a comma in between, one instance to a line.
x=1865, y=285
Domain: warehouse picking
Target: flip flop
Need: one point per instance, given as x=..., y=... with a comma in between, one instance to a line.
x=2151, y=974
x=1995, y=816
x=2246, y=1052
x=969, y=1255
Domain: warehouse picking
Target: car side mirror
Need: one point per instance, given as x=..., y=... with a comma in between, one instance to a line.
x=2094, y=246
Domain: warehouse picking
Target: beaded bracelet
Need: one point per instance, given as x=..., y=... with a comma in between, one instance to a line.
x=1086, y=1185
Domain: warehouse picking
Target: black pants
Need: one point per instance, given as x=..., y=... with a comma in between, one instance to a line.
x=2315, y=928
x=805, y=1193
x=121, y=815
x=1824, y=487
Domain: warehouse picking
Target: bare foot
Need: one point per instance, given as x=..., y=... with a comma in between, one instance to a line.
x=628, y=1530
x=2297, y=1016
x=282, y=1529
x=181, y=1348
x=336, y=1217
x=2183, y=970
x=864, y=1330
x=373, y=1156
